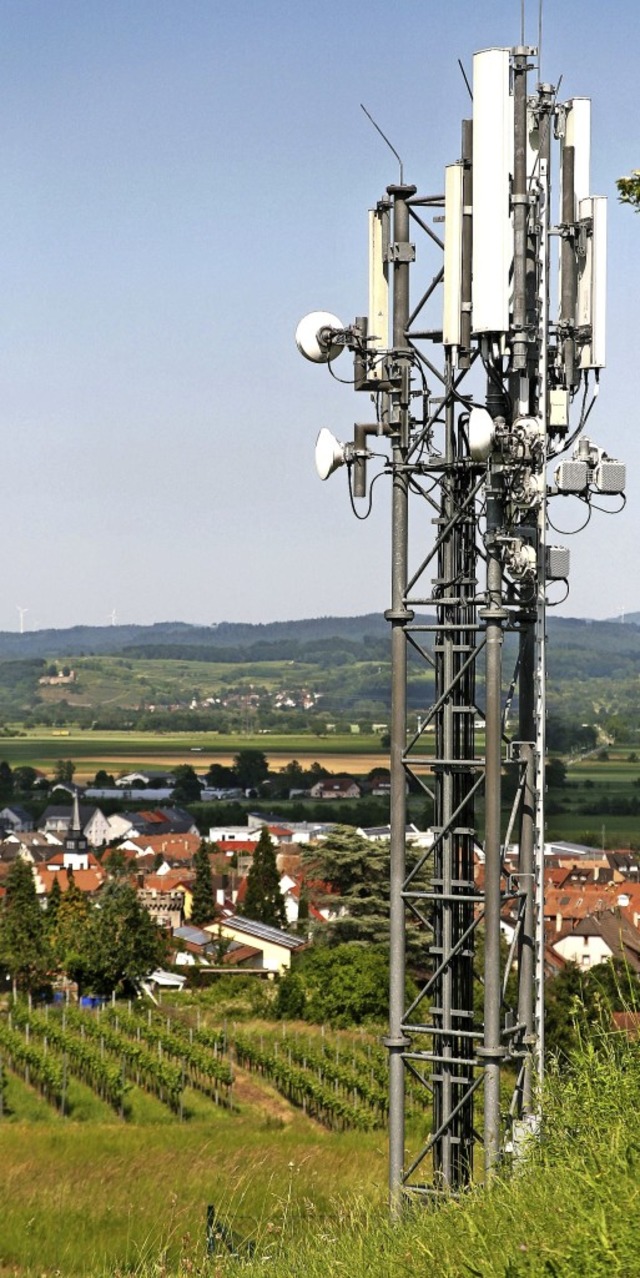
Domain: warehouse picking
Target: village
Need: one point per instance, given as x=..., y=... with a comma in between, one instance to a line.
x=591, y=897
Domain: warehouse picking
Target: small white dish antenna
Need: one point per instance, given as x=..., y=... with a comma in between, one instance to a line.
x=482, y=432
x=315, y=337
x=330, y=454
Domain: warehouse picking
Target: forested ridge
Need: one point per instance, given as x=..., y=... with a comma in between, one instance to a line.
x=290, y=675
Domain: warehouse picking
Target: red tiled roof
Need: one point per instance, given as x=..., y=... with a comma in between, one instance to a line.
x=178, y=846
x=240, y=955
x=85, y=880
x=168, y=882
x=578, y=901
x=58, y=859
x=245, y=846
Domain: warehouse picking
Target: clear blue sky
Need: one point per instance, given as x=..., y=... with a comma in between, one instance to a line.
x=181, y=180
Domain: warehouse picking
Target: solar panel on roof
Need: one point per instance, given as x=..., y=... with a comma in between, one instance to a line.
x=264, y=932
x=193, y=934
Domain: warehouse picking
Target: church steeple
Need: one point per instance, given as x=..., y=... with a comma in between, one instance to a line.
x=75, y=841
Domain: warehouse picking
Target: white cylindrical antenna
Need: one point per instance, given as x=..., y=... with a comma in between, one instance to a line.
x=592, y=281
x=452, y=302
x=492, y=165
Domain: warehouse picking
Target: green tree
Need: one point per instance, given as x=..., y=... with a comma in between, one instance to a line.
x=63, y=771
x=103, y=780
x=629, y=190
x=555, y=774
x=354, y=872
x=291, y=997
x=71, y=937
x=24, y=948
x=6, y=782
x=251, y=768
x=220, y=777
x=576, y=999
x=204, y=901
x=126, y=943
x=116, y=863
x=24, y=779
x=264, y=901
x=345, y=985
x=187, y=787
x=53, y=904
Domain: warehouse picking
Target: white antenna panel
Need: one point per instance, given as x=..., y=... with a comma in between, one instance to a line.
x=453, y=210
x=592, y=283
x=378, y=330
x=492, y=165
x=578, y=135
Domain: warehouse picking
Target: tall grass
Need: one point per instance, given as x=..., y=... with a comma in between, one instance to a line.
x=569, y=1212
x=298, y=1203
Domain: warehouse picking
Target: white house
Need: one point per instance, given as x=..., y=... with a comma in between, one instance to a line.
x=600, y=937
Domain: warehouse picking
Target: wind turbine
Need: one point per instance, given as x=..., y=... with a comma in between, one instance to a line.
x=22, y=612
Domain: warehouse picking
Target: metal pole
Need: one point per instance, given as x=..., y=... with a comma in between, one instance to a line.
x=494, y=615
x=568, y=266
x=527, y=939
x=398, y=615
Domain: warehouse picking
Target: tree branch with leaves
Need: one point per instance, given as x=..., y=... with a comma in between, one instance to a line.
x=629, y=190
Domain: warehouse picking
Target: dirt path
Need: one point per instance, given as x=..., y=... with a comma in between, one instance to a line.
x=260, y=1095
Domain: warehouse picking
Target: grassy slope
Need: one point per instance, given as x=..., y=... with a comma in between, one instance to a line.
x=570, y=1213
x=114, y=1199
x=91, y=1195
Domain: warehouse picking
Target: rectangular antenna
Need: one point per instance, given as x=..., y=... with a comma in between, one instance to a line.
x=379, y=239
x=578, y=135
x=592, y=281
x=492, y=165
x=453, y=209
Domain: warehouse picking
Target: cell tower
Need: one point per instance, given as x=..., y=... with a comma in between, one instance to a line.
x=481, y=393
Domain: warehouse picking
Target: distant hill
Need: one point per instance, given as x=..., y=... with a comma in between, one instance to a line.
x=112, y=640
x=287, y=675
x=575, y=632
x=597, y=641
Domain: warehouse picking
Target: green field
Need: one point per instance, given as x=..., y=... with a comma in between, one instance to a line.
x=600, y=801
x=123, y=751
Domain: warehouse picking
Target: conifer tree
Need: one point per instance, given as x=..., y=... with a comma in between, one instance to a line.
x=264, y=901
x=352, y=874
x=53, y=904
x=204, y=901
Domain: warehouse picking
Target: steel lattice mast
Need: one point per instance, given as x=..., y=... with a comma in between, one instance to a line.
x=470, y=435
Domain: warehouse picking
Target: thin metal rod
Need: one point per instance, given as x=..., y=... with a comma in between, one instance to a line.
x=398, y=615
x=492, y=1051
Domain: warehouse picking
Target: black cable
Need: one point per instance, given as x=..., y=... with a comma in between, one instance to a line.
x=371, y=486
x=570, y=532
x=344, y=381
x=551, y=604
x=606, y=510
